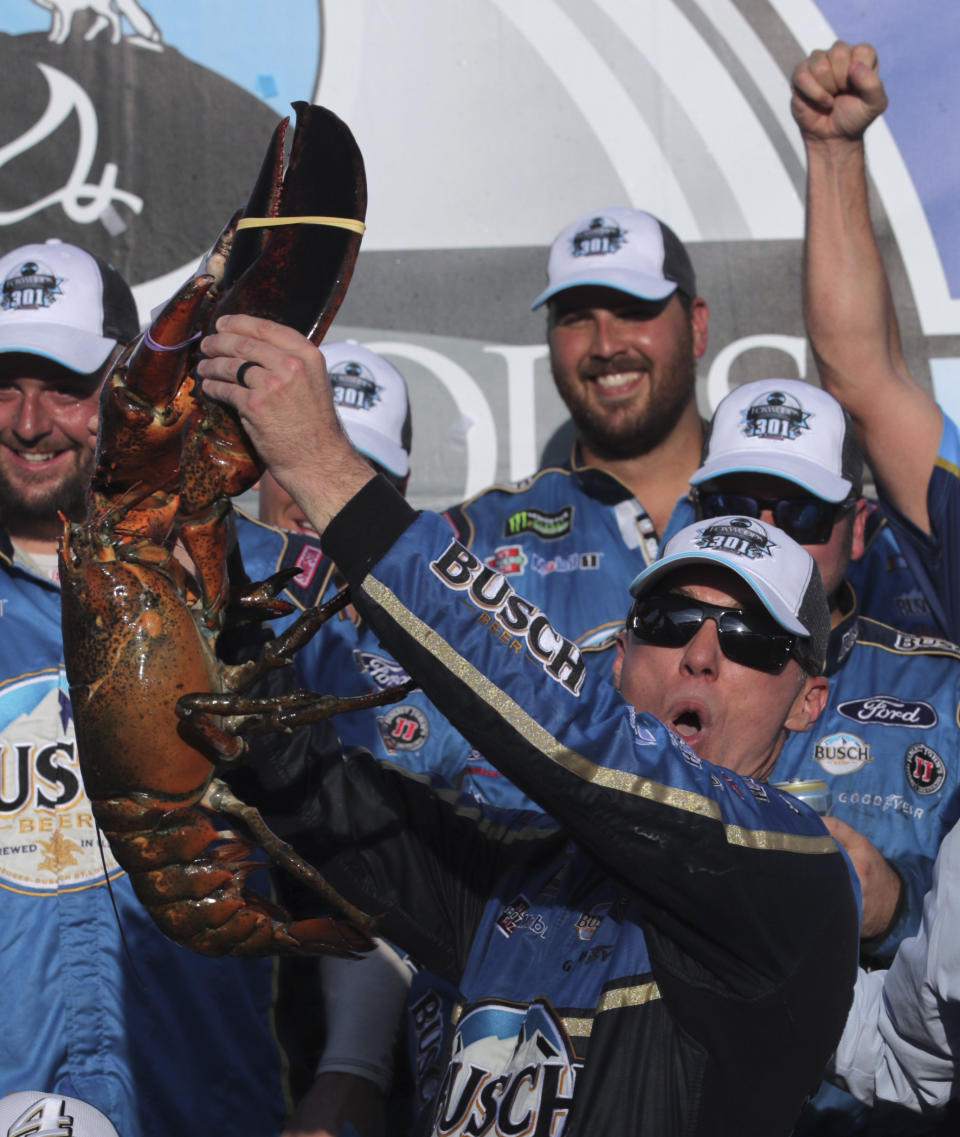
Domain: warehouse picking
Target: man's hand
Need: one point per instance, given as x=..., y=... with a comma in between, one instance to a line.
x=286, y=407
x=837, y=93
x=879, y=884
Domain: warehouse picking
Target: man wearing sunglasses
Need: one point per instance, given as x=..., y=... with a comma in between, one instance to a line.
x=672, y=915
x=785, y=452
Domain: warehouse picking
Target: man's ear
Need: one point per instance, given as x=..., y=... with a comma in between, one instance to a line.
x=699, y=323
x=617, y=666
x=858, y=539
x=810, y=701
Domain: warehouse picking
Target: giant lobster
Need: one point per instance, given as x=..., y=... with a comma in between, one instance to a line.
x=140, y=627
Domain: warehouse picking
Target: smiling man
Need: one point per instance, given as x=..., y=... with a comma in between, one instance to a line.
x=625, y=328
x=625, y=958
x=107, y=1008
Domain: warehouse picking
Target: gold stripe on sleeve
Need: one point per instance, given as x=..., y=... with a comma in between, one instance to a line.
x=544, y=742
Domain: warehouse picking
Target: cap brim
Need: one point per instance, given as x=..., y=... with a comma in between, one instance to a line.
x=808, y=475
x=378, y=447
x=73, y=348
x=769, y=598
x=623, y=280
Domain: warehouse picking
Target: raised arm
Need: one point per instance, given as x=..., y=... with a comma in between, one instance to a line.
x=848, y=307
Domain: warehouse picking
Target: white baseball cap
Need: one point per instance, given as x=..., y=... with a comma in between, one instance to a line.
x=63, y=303
x=781, y=573
x=620, y=248
x=32, y=1113
x=371, y=399
x=786, y=428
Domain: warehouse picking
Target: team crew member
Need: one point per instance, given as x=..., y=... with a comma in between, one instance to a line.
x=625, y=327
x=160, y=1040
x=361, y=998
x=786, y=452
x=901, y=1043
x=695, y=915
x=913, y=448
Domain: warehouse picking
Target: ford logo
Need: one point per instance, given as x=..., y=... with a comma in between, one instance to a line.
x=886, y=710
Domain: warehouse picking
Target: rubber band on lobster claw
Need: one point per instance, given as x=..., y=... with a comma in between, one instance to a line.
x=140, y=629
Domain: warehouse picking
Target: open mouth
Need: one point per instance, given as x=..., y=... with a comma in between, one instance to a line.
x=36, y=459
x=687, y=724
x=616, y=380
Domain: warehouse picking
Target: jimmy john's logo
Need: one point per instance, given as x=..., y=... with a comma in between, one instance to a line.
x=514, y=619
x=404, y=728
x=742, y=536
x=354, y=386
x=600, y=237
x=775, y=415
x=926, y=772
x=547, y=526
x=887, y=710
x=842, y=753
x=30, y=285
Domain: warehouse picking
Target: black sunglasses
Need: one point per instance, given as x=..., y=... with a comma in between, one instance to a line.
x=808, y=520
x=752, y=639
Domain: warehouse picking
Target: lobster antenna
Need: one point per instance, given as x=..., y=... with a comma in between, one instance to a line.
x=116, y=910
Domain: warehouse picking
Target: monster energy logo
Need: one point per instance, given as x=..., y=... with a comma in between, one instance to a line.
x=548, y=526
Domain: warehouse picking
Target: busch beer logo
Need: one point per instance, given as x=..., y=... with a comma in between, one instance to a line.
x=742, y=536
x=426, y=1020
x=48, y=841
x=926, y=772
x=512, y=1070
x=842, y=753
x=354, y=386
x=587, y=922
x=775, y=415
x=31, y=285
x=548, y=526
x=907, y=642
x=600, y=237
x=887, y=710
x=491, y=593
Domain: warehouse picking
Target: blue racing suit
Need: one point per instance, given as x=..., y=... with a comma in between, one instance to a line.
x=621, y=966
x=574, y=537
x=100, y=1005
x=571, y=538
x=886, y=746
x=934, y=557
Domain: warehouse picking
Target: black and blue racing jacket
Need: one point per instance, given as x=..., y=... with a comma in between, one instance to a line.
x=667, y=948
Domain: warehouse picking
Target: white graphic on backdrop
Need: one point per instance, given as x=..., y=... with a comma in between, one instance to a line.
x=82, y=201
x=109, y=14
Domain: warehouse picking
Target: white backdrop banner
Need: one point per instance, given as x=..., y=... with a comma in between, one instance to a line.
x=135, y=129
